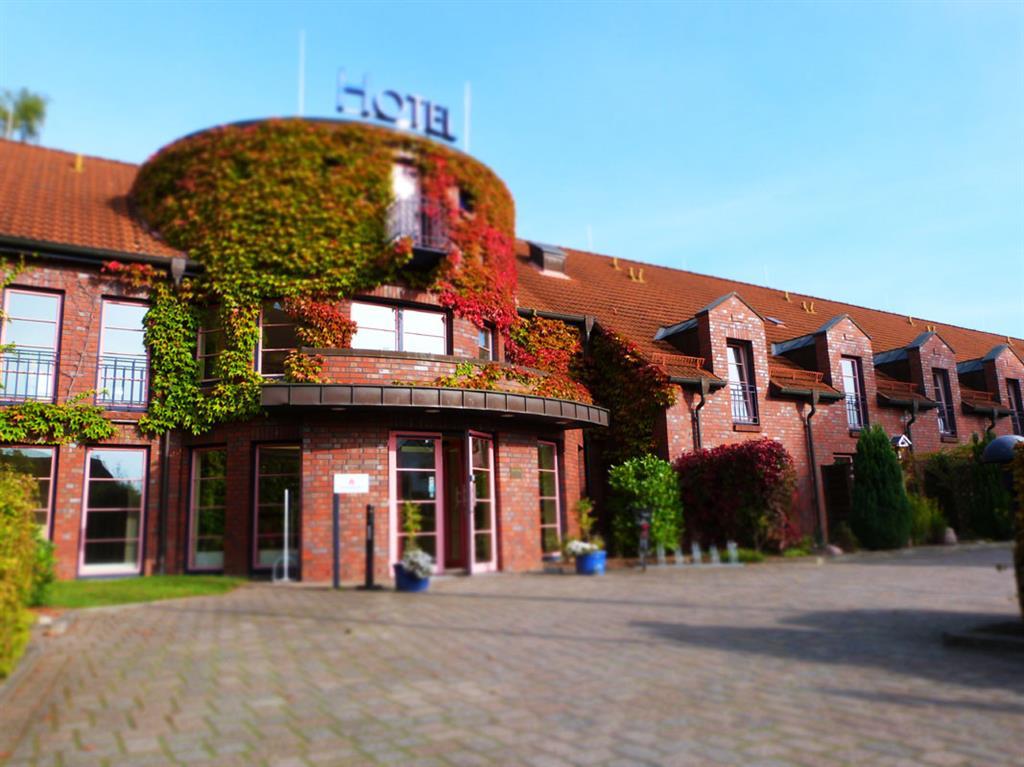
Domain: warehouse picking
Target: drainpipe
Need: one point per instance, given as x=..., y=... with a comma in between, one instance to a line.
x=165, y=487
x=697, y=442
x=814, y=467
x=991, y=430
x=913, y=417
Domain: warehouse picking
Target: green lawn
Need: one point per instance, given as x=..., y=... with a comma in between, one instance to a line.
x=119, y=591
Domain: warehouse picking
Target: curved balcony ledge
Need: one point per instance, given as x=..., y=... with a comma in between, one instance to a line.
x=427, y=398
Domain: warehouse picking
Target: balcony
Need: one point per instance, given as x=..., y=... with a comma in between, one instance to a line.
x=123, y=381
x=27, y=374
x=413, y=219
x=744, y=403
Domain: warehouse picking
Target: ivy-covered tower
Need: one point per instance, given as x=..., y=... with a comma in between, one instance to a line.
x=333, y=309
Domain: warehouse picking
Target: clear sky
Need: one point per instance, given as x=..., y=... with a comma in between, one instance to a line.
x=867, y=152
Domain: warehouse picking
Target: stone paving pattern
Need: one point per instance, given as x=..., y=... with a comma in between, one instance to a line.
x=781, y=664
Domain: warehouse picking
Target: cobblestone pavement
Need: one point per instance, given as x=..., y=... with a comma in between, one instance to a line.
x=782, y=664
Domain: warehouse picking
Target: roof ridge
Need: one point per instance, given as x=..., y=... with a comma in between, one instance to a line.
x=782, y=290
x=69, y=153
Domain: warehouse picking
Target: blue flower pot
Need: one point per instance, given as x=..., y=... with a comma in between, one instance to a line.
x=590, y=564
x=406, y=581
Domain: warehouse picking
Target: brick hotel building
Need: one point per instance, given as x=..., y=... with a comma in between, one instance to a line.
x=495, y=472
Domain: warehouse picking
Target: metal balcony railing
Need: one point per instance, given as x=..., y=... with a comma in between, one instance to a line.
x=854, y=411
x=744, y=402
x=27, y=374
x=412, y=218
x=123, y=381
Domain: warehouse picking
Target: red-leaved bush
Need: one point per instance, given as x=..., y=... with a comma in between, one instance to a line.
x=741, y=492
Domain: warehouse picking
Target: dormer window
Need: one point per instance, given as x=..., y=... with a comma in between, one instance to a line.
x=743, y=392
x=410, y=215
x=1016, y=403
x=944, y=396
x=853, y=388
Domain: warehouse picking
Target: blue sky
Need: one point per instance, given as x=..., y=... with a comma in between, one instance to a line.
x=867, y=152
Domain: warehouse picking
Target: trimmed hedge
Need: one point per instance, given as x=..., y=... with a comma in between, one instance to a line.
x=18, y=547
x=970, y=493
x=741, y=492
x=881, y=516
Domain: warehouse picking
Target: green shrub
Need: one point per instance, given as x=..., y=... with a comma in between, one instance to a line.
x=750, y=556
x=645, y=481
x=844, y=538
x=802, y=548
x=43, y=571
x=17, y=563
x=880, y=517
x=970, y=493
x=927, y=525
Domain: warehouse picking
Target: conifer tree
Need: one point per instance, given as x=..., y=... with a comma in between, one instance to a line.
x=881, y=511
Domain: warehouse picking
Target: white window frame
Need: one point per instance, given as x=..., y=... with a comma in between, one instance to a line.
x=115, y=569
x=398, y=315
x=113, y=403
x=193, y=525
x=48, y=501
x=57, y=333
x=557, y=496
x=261, y=349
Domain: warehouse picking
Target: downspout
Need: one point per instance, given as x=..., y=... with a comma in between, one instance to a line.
x=697, y=442
x=814, y=468
x=991, y=430
x=913, y=417
x=165, y=487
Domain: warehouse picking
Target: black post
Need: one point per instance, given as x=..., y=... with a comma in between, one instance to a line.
x=369, y=585
x=336, y=538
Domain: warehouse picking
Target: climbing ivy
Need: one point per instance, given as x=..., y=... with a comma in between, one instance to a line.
x=297, y=210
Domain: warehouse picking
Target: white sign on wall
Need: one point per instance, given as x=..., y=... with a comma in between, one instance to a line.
x=351, y=484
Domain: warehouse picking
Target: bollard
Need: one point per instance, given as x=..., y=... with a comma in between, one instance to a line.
x=368, y=584
x=336, y=540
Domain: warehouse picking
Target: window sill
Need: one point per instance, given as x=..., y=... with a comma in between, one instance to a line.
x=855, y=433
x=749, y=427
x=950, y=439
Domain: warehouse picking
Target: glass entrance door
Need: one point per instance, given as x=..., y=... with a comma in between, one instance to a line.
x=483, y=552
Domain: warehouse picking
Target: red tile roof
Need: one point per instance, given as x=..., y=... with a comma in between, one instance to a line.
x=61, y=198
x=56, y=197
x=667, y=296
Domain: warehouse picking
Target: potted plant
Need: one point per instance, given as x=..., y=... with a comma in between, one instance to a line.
x=588, y=549
x=413, y=572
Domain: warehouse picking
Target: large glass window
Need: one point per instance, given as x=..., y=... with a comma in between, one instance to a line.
x=550, y=503
x=123, y=367
x=742, y=391
x=277, y=339
x=37, y=462
x=944, y=396
x=211, y=344
x=32, y=324
x=209, y=497
x=853, y=388
x=391, y=328
x=1016, y=403
x=114, y=497
x=278, y=469
x=416, y=485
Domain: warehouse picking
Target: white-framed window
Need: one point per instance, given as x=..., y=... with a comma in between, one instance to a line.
x=277, y=339
x=38, y=462
x=550, y=499
x=485, y=343
x=853, y=388
x=392, y=328
x=210, y=344
x=944, y=396
x=122, y=370
x=112, y=523
x=209, y=502
x=32, y=324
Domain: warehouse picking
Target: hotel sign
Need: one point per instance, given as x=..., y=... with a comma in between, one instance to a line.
x=403, y=110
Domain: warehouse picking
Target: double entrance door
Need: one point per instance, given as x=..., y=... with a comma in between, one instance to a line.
x=446, y=481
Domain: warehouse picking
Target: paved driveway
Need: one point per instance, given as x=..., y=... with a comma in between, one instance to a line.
x=790, y=663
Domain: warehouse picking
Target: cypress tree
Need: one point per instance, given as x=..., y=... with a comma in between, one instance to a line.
x=881, y=511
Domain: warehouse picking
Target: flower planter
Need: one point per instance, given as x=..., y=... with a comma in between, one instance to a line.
x=406, y=581
x=590, y=564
